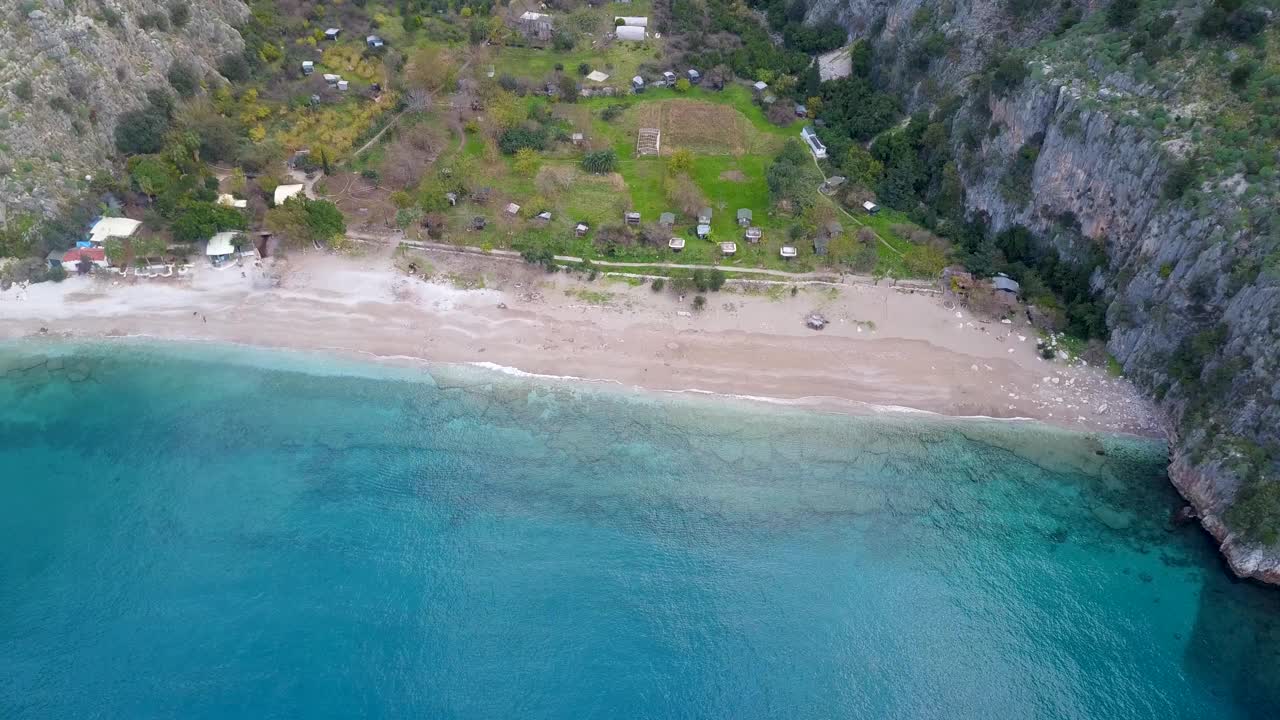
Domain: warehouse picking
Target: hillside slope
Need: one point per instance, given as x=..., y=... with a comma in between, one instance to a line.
x=1139, y=132
x=70, y=69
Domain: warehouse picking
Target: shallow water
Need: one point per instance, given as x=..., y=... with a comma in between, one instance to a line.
x=206, y=532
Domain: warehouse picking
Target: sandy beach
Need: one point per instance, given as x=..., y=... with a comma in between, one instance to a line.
x=885, y=348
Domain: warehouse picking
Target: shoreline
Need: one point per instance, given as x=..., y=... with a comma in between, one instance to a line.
x=886, y=351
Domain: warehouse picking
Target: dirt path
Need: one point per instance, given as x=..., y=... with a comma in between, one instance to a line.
x=818, y=276
x=848, y=214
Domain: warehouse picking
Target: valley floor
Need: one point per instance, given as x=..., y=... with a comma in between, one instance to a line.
x=884, y=348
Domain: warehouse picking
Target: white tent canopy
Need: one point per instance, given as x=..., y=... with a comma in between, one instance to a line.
x=112, y=227
x=284, y=192
x=627, y=32
x=220, y=244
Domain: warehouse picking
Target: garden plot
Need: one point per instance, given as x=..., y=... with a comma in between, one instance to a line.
x=703, y=127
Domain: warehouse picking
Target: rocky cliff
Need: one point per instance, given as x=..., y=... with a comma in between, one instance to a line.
x=69, y=68
x=1193, y=281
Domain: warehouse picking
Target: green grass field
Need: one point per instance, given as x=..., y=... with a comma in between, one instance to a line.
x=733, y=145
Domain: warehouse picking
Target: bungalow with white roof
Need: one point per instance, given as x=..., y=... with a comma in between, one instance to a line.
x=109, y=227
x=815, y=145
x=221, y=248
x=232, y=201
x=332, y=33
x=641, y=22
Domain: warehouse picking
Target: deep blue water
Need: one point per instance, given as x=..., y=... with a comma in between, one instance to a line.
x=218, y=533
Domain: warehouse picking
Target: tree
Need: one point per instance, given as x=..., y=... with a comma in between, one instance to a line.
x=417, y=99
x=234, y=67
x=683, y=85
x=680, y=161
x=17, y=236
x=183, y=78
x=141, y=131
x=198, y=220
x=1008, y=74
x=584, y=69
x=861, y=167
x=600, y=162
x=151, y=174
x=685, y=195
x=568, y=89
x=792, y=178
x=526, y=162
x=1122, y=12
x=431, y=69
x=114, y=250
x=302, y=220
x=513, y=139
x=853, y=108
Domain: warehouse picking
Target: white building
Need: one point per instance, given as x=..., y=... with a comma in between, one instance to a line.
x=815, y=145
x=284, y=192
x=117, y=227
x=232, y=201
x=640, y=22
x=220, y=248
x=631, y=33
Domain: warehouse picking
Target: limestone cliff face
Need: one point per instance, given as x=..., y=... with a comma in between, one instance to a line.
x=1177, y=272
x=1173, y=274
x=69, y=69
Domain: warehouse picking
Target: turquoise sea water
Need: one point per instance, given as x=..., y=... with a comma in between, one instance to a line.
x=202, y=532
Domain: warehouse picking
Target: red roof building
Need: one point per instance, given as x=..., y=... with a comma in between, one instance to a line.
x=95, y=254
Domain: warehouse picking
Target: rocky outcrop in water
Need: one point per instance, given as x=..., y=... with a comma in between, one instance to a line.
x=1193, y=284
x=70, y=69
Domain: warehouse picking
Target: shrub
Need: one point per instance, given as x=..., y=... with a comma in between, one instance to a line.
x=516, y=138
x=613, y=112
x=683, y=85
x=708, y=280
x=153, y=21
x=601, y=162
x=1181, y=178
x=23, y=90
x=234, y=67
x=563, y=41
x=302, y=220
x=1255, y=513
x=699, y=302
x=183, y=78
x=658, y=285
x=1008, y=74
x=584, y=69
x=179, y=13
x=1122, y=12
x=526, y=162
x=141, y=131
